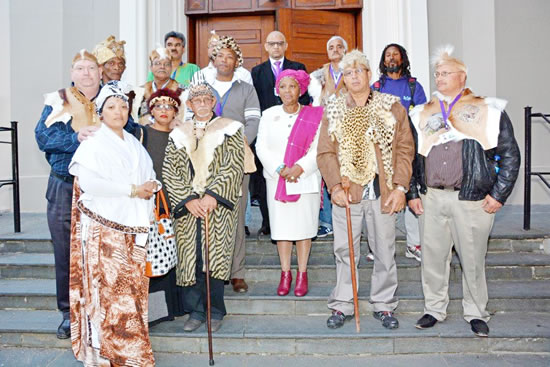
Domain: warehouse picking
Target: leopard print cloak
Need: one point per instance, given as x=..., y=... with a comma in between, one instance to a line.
x=357, y=130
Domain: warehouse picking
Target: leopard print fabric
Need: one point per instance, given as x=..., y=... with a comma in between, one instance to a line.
x=357, y=130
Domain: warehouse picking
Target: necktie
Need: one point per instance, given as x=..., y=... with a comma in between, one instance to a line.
x=277, y=70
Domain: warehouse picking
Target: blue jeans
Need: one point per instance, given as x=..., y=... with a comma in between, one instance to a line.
x=325, y=214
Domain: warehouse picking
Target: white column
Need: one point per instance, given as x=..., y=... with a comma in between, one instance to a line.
x=398, y=21
x=5, y=103
x=133, y=29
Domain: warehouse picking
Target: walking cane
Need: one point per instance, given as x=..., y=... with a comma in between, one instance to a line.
x=208, y=306
x=352, y=261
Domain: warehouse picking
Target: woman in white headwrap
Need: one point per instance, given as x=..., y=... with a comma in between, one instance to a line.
x=112, y=208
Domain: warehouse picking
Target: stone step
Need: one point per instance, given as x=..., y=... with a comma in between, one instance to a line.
x=525, y=332
x=261, y=298
x=260, y=268
x=64, y=357
x=263, y=245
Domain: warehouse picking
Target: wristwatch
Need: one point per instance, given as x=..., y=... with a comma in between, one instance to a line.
x=402, y=189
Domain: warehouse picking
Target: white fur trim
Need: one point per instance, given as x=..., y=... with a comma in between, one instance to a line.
x=315, y=87
x=203, y=156
x=499, y=104
x=138, y=99
x=162, y=53
x=54, y=100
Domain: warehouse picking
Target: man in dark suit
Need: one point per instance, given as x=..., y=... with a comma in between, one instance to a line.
x=263, y=77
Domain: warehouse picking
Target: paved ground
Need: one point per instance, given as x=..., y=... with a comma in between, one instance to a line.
x=508, y=224
x=63, y=358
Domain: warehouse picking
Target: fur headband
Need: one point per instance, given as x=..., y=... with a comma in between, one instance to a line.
x=109, y=48
x=84, y=55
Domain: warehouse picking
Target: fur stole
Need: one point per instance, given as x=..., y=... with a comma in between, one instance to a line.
x=472, y=117
x=70, y=104
x=202, y=154
x=357, y=130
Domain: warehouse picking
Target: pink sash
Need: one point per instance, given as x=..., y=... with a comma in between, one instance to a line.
x=300, y=139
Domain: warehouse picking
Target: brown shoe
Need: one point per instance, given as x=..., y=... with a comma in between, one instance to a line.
x=239, y=285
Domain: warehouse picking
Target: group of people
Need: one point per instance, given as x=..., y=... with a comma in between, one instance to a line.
x=315, y=145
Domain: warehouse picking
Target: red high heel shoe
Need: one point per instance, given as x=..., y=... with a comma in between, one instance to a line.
x=284, y=284
x=300, y=289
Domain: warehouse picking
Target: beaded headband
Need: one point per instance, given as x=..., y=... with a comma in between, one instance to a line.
x=197, y=90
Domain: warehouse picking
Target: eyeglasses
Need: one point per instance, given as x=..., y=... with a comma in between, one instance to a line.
x=273, y=44
x=444, y=74
x=167, y=107
x=201, y=100
x=165, y=64
x=348, y=73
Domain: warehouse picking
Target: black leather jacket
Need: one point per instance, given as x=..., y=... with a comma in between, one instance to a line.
x=479, y=176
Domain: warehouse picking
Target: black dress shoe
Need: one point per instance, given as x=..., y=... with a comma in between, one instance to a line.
x=264, y=230
x=337, y=320
x=64, y=329
x=480, y=328
x=426, y=321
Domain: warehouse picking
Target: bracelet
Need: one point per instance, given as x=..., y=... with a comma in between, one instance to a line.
x=133, y=191
x=402, y=189
x=279, y=169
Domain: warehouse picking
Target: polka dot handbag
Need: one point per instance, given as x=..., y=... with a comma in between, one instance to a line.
x=162, y=254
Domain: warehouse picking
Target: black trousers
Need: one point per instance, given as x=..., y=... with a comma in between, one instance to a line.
x=257, y=188
x=194, y=297
x=59, y=195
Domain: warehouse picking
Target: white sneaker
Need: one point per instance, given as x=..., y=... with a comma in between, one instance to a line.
x=370, y=256
x=414, y=252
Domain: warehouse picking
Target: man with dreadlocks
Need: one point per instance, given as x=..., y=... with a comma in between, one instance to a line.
x=203, y=173
x=466, y=165
x=396, y=79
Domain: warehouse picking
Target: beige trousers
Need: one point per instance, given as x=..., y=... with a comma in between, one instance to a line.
x=447, y=221
x=381, y=234
x=237, y=267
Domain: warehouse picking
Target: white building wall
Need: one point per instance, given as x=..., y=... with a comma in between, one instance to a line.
x=43, y=38
x=5, y=105
x=522, y=60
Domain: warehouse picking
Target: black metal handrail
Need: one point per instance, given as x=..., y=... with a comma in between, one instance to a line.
x=14, y=174
x=528, y=173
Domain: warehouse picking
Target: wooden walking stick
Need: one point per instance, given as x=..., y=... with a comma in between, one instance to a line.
x=208, y=306
x=345, y=185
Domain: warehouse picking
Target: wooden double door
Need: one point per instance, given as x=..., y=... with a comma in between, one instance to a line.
x=306, y=31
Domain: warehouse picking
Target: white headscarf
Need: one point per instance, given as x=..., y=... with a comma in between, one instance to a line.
x=113, y=88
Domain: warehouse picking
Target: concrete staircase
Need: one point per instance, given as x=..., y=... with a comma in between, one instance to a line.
x=260, y=322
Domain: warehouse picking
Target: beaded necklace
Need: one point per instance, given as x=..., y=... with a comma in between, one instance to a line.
x=90, y=106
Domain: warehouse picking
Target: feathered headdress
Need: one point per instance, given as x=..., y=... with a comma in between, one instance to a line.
x=442, y=56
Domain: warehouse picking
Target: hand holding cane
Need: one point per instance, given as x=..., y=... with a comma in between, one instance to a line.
x=208, y=305
x=346, y=186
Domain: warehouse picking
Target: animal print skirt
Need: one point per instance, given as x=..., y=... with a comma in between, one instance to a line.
x=108, y=295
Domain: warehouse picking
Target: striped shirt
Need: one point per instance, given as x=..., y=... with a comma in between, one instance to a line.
x=444, y=165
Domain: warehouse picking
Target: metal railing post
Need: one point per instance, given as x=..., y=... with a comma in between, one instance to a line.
x=15, y=177
x=527, y=174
